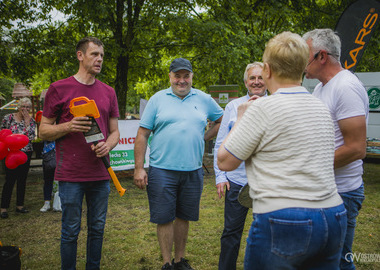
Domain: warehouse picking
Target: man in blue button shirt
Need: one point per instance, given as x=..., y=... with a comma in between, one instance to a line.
x=234, y=213
x=177, y=117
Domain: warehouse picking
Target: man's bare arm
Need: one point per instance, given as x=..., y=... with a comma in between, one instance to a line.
x=355, y=141
x=103, y=148
x=48, y=131
x=141, y=143
x=213, y=131
x=114, y=136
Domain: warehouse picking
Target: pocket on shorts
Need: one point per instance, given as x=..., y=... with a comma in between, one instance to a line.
x=290, y=238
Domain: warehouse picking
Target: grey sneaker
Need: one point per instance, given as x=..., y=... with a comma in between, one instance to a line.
x=182, y=265
x=167, y=266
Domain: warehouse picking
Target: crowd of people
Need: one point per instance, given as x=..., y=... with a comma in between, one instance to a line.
x=300, y=155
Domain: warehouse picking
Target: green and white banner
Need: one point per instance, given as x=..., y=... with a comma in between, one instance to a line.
x=374, y=98
x=122, y=156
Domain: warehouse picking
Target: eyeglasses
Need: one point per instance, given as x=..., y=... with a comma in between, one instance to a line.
x=315, y=57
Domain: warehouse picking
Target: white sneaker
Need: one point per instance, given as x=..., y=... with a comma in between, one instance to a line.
x=45, y=208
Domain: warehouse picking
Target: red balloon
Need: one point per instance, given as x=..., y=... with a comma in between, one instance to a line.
x=15, y=159
x=3, y=150
x=38, y=116
x=16, y=141
x=4, y=133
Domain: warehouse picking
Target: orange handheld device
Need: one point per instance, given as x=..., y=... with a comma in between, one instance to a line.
x=90, y=109
x=85, y=109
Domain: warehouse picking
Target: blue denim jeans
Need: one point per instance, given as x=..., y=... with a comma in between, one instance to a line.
x=72, y=194
x=296, y=238
x=234, y=219
x=353, y=203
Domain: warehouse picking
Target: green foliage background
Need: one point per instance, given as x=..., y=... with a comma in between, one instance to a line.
x=141, y=38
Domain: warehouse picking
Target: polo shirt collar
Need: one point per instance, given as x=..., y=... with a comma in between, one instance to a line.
x=292, y=90
x=192, y=92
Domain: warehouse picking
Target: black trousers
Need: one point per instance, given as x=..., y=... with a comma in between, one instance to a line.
x=48, y=181
x=234, y=220
x=18, y=175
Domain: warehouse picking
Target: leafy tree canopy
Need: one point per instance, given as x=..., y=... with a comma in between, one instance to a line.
x=219, y=37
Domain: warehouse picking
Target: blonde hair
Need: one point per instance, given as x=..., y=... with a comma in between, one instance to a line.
x=287, y=55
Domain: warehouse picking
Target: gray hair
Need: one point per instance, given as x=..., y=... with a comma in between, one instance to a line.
x=252, y=65
x=25, y=101
x=324, y=39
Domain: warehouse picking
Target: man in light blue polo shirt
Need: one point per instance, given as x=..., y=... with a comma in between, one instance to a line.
x=177, y=116
x=234, y=213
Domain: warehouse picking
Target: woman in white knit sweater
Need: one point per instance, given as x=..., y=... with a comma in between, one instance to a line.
x=287, y=143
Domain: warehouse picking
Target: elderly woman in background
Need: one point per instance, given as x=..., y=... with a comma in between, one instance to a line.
x=19, y=123
x=287, y=142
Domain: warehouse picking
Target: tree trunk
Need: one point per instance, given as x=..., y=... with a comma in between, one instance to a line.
x=121, y=83
x=122, y=66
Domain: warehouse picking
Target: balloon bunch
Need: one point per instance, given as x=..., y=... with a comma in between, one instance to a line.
x=10, y=145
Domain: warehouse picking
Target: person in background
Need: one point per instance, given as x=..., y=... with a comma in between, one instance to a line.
x=287, y=143
x=80, y=170
x=177, y=117
x=129, y=116
x=19, y=123
x=347, y=100
x=48, y=172
x=234, y=213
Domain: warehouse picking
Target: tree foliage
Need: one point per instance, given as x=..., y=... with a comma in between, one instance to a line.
x=141, y=38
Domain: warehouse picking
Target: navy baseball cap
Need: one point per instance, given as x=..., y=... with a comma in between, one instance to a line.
x=180, y=63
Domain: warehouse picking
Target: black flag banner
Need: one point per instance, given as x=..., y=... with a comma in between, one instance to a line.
x=355, y=27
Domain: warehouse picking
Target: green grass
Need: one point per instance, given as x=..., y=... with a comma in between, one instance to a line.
x=130, y=240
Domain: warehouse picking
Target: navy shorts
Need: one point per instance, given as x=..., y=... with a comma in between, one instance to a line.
x=174, y=194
